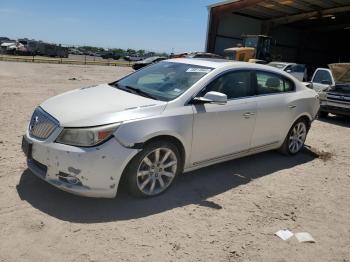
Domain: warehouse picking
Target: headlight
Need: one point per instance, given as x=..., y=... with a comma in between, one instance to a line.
x=323, y=95
x=86, y=137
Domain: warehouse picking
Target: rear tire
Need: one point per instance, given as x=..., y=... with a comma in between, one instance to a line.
x=152, y=171
x=295, y=139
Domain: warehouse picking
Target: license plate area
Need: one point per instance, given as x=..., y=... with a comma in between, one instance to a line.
x=27, y=147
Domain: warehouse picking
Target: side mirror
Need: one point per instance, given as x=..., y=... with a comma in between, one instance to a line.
x=309, y=85
x=326, y=82
x=211, y=97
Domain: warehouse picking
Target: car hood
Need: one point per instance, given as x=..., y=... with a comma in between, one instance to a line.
x=100, y=105
x=341, y=72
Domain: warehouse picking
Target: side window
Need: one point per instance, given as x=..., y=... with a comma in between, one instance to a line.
x=322, y=75
x=299, y=68
x=288, y=85
x=270, y=83
x=234, y=85
x=288, y=68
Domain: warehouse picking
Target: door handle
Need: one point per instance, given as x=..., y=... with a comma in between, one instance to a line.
x=292, y=106
x=248, y=114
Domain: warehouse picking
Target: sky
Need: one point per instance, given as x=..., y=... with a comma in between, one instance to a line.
x=153, y=25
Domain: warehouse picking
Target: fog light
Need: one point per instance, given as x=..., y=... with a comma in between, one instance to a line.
x=67, y=178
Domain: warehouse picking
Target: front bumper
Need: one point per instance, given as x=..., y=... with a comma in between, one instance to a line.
x=335, y=108
x=92, y=172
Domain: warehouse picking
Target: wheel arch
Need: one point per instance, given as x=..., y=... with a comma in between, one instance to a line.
x=308, y=119
x=305, y=116
x=158, y=137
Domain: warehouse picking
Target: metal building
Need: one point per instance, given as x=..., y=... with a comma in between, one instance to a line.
x=313, y=32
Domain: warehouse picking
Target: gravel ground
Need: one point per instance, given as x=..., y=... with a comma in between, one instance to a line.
x=226, y=212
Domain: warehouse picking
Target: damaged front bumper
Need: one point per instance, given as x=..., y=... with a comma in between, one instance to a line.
x=90, y=172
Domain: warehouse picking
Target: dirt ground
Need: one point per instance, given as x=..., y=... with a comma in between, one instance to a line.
x=227, y=212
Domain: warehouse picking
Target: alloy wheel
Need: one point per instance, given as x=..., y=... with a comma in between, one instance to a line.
x=156, y=171
x=297, y=137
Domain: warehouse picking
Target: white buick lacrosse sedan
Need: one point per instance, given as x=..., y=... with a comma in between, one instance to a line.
x=168, y=118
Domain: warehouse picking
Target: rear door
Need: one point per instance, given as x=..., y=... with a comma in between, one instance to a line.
x=275, y=96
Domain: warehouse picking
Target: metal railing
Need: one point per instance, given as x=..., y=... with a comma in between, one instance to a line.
x=85, y=61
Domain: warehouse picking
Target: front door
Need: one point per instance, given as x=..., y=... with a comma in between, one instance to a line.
x=222, y=130
x=322, y=79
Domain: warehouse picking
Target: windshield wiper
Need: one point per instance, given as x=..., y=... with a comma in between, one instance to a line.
x=136, y=91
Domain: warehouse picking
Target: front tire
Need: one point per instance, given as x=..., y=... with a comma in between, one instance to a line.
x=295, y=139
x=154, y=169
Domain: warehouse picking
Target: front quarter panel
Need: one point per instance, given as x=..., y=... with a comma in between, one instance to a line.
x=176, y=122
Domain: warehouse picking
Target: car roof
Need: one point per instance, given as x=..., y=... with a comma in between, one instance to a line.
x=221, y=63
x=228, y=64
x=282, y=63
x=207, y=62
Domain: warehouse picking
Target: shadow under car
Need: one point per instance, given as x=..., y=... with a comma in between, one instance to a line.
x=343, y=121
x=191, y=188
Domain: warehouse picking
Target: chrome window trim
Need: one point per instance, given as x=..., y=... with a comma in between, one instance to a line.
x=252, y=71
x=277, y=74
x=215, y=78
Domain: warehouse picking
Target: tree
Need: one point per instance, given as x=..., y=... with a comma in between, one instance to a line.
x=131, y=51
x=141, y=52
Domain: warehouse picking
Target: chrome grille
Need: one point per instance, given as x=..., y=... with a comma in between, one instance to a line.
x=344, y=99
x=42, y=124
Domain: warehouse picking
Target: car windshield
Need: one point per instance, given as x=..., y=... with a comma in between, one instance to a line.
x=163, y=81
x=297, y=68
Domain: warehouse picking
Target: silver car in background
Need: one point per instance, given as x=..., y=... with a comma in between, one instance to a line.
x=297, y=70
x=168, y=118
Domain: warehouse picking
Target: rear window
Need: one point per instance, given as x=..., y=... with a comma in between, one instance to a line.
x=270, y=83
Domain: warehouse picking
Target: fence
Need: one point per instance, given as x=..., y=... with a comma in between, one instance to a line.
x=35, y=59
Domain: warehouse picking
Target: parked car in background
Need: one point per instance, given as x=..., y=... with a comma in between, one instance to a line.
x=171, y=117
x=133, y=58
x=297, y=70
x=8, y=47
x=75, y=51
x=322, y=79
x=110, y=55
x=335, y=97
x=150, y=60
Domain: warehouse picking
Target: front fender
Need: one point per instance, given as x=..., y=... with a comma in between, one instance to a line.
x=137, y=132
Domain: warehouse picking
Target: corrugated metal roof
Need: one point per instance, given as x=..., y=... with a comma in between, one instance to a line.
x=222, y=3
x=271, y=9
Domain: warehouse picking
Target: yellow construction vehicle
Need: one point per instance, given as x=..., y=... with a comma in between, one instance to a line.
x=255, y=49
